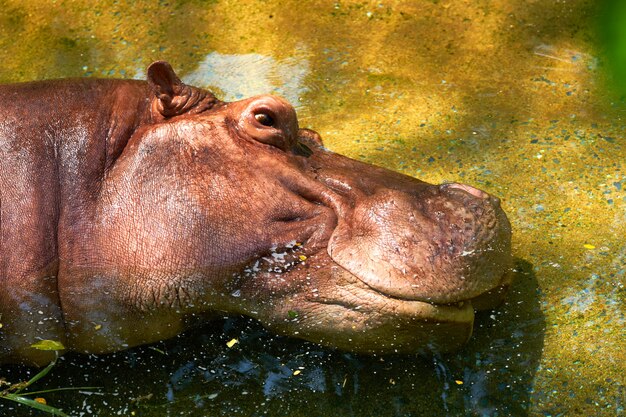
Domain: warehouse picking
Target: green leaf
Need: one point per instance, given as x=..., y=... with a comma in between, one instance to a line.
x=292, y=314
x=48, y=391
x=48, y=345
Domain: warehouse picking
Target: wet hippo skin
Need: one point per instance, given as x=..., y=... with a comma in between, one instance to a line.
x=129, y=209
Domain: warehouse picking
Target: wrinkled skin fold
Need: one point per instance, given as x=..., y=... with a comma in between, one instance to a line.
x=129, y=209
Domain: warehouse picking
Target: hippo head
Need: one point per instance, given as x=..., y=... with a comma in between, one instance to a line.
x=232, y=207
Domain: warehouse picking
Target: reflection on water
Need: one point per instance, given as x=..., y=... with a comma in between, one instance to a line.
x=197, y=374
x=235, y=77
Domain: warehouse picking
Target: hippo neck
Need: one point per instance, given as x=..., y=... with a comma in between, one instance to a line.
x=57, y=139
x=88, y=140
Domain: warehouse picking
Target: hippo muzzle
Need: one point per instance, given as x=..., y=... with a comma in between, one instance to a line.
x=440, y=245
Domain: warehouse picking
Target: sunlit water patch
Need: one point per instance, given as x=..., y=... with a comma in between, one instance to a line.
x=235, y=77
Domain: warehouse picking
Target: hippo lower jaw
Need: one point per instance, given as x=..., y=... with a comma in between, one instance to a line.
x=335, y=308
x=402, y=325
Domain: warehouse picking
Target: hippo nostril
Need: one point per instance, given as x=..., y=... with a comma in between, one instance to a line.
x=466, y=188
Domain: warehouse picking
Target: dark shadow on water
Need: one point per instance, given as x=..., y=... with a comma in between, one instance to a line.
x=197, y=374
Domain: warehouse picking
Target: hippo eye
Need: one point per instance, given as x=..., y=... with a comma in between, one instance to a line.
x=265, y=119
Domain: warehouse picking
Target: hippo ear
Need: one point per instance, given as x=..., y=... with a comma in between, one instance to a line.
x=172, y=96
x=166, y=85
x=310, y=137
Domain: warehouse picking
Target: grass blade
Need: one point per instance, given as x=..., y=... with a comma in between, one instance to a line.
x=34, y=404
x=37, y=377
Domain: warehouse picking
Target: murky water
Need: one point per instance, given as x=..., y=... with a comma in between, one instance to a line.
x=513, y=97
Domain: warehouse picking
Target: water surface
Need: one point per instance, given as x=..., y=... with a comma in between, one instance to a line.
x=513, y=97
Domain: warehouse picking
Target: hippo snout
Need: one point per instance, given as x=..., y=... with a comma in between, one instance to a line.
x=438, y=244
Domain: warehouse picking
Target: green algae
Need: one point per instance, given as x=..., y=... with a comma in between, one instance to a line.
x=513, y=97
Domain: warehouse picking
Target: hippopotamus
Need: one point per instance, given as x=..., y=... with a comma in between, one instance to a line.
x=131, y=210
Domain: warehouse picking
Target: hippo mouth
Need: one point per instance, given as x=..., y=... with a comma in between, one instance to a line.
x=336, y=308
x=439, y=311
x=487, y=298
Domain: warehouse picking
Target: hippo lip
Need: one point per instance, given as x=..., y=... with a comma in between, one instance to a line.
x=362, y=296
x=417, y=308
x=443, y=298
x=458, y=303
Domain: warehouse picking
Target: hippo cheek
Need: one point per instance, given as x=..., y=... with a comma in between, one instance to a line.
x=452, y=247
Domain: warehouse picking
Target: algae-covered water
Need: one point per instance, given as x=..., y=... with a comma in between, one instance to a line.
x=522, y=99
